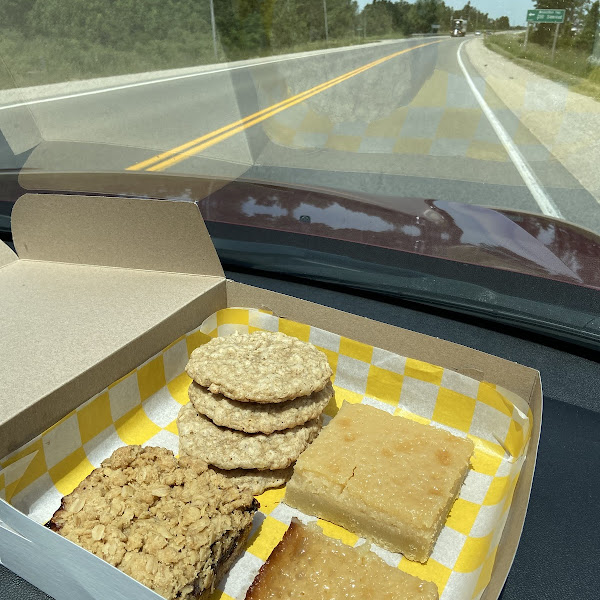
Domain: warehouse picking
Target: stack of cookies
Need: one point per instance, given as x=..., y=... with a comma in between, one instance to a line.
x=255, y=405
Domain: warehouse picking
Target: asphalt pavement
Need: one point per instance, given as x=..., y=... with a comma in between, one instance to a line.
x=396, y=119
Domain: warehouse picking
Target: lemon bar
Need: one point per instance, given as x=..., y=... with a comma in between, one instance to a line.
x=307, y=564
x=382, y=477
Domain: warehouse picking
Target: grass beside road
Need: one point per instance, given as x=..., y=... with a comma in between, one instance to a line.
x=570, y=66
x=27, y=61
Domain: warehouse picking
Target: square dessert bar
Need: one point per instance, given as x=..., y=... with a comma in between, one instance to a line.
x=385, y=478
x=307, y=564
x=173, y=524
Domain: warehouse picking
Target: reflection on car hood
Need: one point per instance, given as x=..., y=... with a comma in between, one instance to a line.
x=499, y=238
x=521, y=242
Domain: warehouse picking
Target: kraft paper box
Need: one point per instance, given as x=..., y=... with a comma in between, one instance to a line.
x=107, y=298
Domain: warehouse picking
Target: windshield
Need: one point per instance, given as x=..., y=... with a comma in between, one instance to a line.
x=417, y=108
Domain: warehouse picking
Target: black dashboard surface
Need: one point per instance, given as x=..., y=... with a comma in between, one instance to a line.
x=560, y=546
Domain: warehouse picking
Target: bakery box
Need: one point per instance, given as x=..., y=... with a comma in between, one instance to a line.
x=113, y=293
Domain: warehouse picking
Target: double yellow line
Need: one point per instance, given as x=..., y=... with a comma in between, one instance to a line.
x=167, y=159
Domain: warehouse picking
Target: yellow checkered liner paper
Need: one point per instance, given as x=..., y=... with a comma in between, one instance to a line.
x=141, y=408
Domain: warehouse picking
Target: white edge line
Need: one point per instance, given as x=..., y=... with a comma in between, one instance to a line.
x=544, y=201
x=126, y=86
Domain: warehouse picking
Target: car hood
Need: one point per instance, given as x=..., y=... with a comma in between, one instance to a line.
x=511, y=240
x=499, y=238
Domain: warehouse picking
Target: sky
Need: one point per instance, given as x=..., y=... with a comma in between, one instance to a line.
x=515, y=10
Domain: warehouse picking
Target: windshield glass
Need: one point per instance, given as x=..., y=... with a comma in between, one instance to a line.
x=399, y=105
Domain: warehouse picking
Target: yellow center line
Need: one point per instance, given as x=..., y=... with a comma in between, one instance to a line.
x=206, y=136
x=175, y=155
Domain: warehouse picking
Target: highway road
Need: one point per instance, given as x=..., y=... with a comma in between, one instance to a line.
x=410, y=118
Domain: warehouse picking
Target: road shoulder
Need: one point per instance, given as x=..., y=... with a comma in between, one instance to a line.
x=562, y=120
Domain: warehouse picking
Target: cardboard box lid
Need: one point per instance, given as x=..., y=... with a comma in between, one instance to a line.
x=130, y=233
x=97, y=283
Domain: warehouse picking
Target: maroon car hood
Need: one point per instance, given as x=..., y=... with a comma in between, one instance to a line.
x=521, y=242
x=499, y=238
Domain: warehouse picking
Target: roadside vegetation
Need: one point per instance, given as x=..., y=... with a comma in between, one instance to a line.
x=46, y=41
x=574, y=63
x=37, y=60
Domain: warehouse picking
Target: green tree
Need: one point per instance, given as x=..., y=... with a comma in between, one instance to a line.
x=502, y=23
x=240, y=26
x=585, y=40
x=377, y=18
x=399, y=11
x=466, y=11
x=301, y=21
x=341, y=18
x=423, y=14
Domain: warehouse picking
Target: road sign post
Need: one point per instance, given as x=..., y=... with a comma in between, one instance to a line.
x=595, y=58
x=214, y=29
x=554, y=41
x=526, y=38
x=546, y=15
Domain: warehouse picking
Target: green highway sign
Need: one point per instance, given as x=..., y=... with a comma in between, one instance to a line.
x=546, y=15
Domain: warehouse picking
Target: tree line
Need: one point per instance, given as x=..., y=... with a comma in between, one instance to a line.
x=256, y=26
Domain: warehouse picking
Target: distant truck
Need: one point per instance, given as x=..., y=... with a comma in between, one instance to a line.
x=459, y=27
